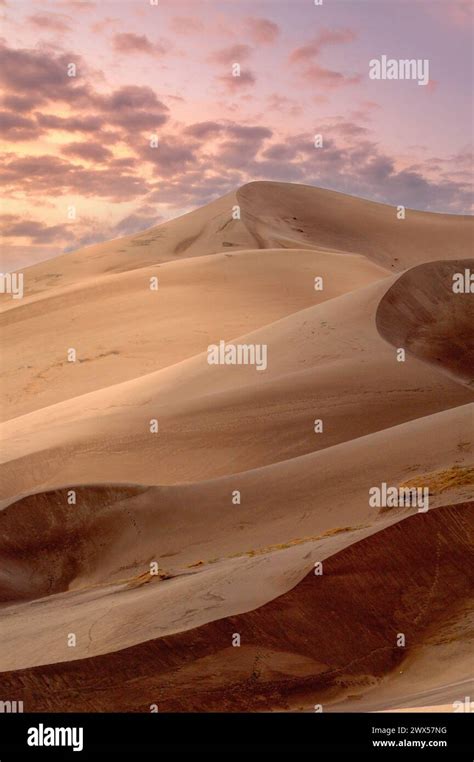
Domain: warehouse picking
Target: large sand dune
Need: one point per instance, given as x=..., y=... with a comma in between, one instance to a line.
x=81, y=565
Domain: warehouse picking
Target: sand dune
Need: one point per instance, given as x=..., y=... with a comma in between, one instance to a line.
x=199, y=301
x=329, y=637
x=291, y=514
x=81, y=565
x=422, y=313
x=272, y=215
x=215, y=420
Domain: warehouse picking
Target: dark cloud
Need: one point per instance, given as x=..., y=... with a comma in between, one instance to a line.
x=127, y=42
x=281, y=152
x=203, y=129
x=88, y=150
x=171, y=157
x=21, y=103
x=70, y=124
x=13, y=226
x=242, y=150
x=250, y=134
x=51, y=175
x=131, y=97
x=41, y=74
x=16, y=127
x=125, y=162
x=133, y=108
x=195, y=188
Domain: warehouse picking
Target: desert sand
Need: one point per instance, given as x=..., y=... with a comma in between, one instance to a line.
x=256, y=522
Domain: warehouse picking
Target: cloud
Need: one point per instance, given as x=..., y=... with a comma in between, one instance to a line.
x=241, y=146
x=325, y=38
x=130, y=107
x=282, y=103
x=249, y=134
x=195, y=188
x=53, y=176
x=70, y=124
x=234, y=84
x=131, y=97
x=203, y=129
x=261, y=31
x=88, y=150
x=281, y=152
x=313, y=72
x=171, y=157
x=133, y=108
x=51, y=22
x=328, y=78
x=45, y=76
x=127, y=42
x=14, y=226
x=234, y=54
x=141, y=219
x=21, y=103
x=16, y=127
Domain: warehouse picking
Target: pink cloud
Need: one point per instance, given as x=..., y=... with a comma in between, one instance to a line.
x=51, y=22
x=328, y=78
x=129, y=43
x=233, y=54
x=261, y=30
x=88, y=150
x=458, y=12
x=234, y=84
x=325, y=38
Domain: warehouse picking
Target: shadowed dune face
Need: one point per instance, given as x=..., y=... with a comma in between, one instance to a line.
x=421, y=313
x=46, y=542
x=333, y=635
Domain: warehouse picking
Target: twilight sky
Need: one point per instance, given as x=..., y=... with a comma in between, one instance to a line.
x=166, y=70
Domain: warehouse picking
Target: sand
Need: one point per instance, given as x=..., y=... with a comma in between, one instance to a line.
x=81, y=565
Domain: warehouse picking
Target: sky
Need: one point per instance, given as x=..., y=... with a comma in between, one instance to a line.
x=152, y=123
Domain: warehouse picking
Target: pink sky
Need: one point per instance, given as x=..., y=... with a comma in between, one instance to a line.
x=84, y=141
